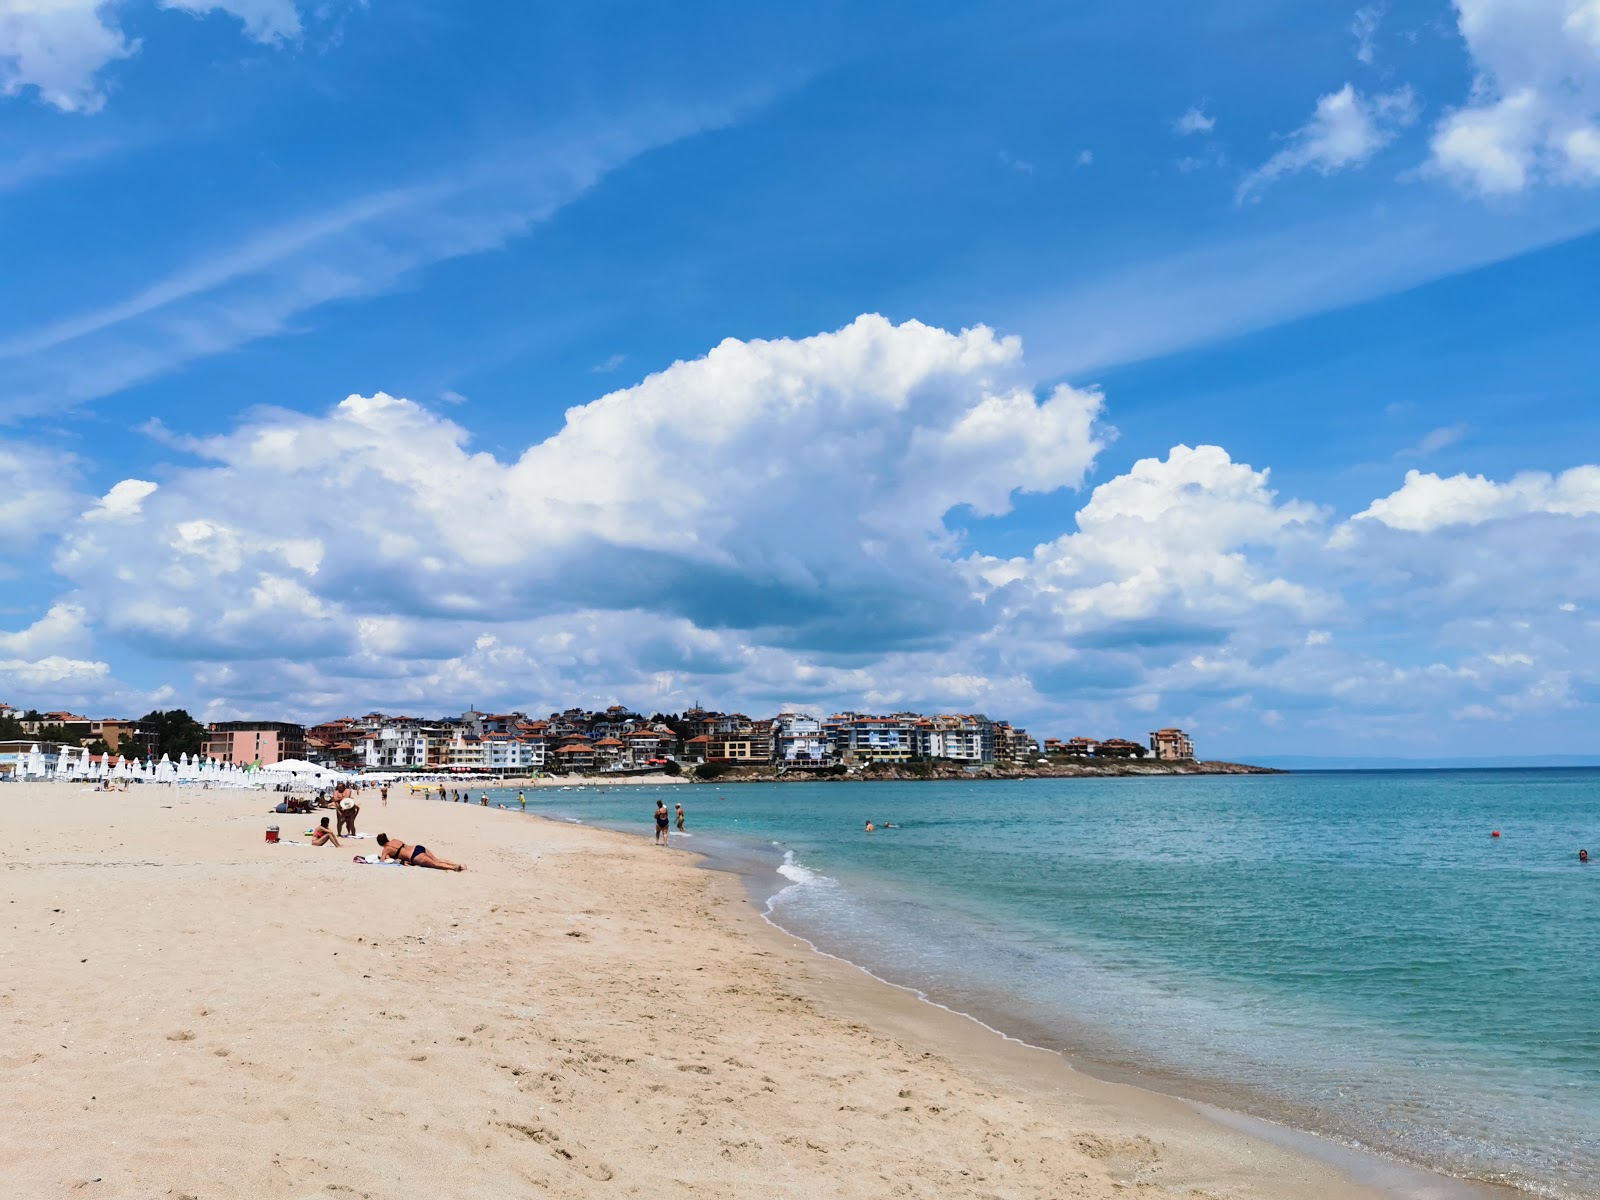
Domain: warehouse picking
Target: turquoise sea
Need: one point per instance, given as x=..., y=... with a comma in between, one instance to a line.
x=1349, y=953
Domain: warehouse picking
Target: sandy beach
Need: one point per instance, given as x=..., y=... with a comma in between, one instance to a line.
x=192, y=1012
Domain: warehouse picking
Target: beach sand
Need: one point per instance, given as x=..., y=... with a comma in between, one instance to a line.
x=191, y=1012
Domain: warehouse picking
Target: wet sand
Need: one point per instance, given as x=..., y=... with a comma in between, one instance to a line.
x=193, y=1012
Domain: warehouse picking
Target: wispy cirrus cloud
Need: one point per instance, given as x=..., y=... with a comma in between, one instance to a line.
x=1210, y=293
x=362, y=247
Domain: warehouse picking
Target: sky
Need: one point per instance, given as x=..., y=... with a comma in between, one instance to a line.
x=1228, y=364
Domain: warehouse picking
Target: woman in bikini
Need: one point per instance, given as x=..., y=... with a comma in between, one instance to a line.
x=322, y=835
x=413, y=856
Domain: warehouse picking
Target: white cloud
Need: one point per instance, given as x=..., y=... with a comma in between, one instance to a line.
x=1169, y=541
x=1436, y=440
x=799, y=523
x=1085, y=158
x=1345, y=131
x=1534, y=112
x=36, y=493
x=264, y=20
x=60, y=47
x=122, y=502
x=64, y=629
x=1194, y=121
x=1364, y=28
x=801, y=484
x=1427, y=502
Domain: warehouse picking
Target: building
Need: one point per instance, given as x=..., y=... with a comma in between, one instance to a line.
x=798, y=741
x=245, y=742
x=1171, y=745
x=14, y=756
x=858, y=737
x=1118, y=748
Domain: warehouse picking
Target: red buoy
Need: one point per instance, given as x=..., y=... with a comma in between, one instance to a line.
x=1496, y=833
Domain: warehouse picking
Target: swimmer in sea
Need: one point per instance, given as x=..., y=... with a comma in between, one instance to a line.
x=870, y=827
x=1583, y=856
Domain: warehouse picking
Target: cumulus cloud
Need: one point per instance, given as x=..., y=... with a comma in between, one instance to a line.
x=37, y=495
x=1345, y=131
x=1165, y=548
x=801, y=523
x=1427, y=502
x=1534, y=112
x=60, y=47
x=796, y=484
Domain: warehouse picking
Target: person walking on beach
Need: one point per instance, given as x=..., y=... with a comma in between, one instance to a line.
x=384, y=792
x=661, y=822
x=413, y=856
x=679, y=807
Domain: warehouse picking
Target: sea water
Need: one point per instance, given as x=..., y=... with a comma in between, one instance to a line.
x=1351, y=953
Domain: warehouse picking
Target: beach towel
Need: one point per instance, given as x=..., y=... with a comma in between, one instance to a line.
x=373, y=860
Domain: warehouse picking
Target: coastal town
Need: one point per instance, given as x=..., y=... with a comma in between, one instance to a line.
x=611, y=741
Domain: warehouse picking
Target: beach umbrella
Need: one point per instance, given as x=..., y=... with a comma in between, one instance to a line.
x=35, y=764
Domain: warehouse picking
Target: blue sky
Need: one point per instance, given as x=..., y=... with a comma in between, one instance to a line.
x=1228, y=365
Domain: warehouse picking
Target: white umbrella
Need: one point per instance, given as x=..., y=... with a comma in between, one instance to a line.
x=35, y=765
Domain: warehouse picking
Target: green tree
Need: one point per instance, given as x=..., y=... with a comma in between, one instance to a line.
x=55, y=733
x=11, y=730
x=176, y=733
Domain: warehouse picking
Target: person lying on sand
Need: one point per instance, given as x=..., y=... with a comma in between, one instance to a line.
x=413, y=856
x=322, y=835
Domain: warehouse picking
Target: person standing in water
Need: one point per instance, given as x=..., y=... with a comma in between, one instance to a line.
x=522, y=801
x=661, y=822
x=679, y=807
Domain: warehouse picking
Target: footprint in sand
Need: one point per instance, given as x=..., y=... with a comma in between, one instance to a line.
x=573, y=1155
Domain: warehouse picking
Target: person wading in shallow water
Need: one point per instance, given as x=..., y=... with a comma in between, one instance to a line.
x=661, y=822
x=679, y=807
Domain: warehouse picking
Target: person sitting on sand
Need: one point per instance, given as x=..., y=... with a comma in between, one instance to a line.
x=322, y=835
x=413, y=856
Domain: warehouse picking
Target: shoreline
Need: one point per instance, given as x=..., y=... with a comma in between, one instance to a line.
x=1360, y=1164
x=216, y=1016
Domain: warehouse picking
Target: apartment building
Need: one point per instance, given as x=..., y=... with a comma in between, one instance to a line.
x=1171, y=745
x=247, y=742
